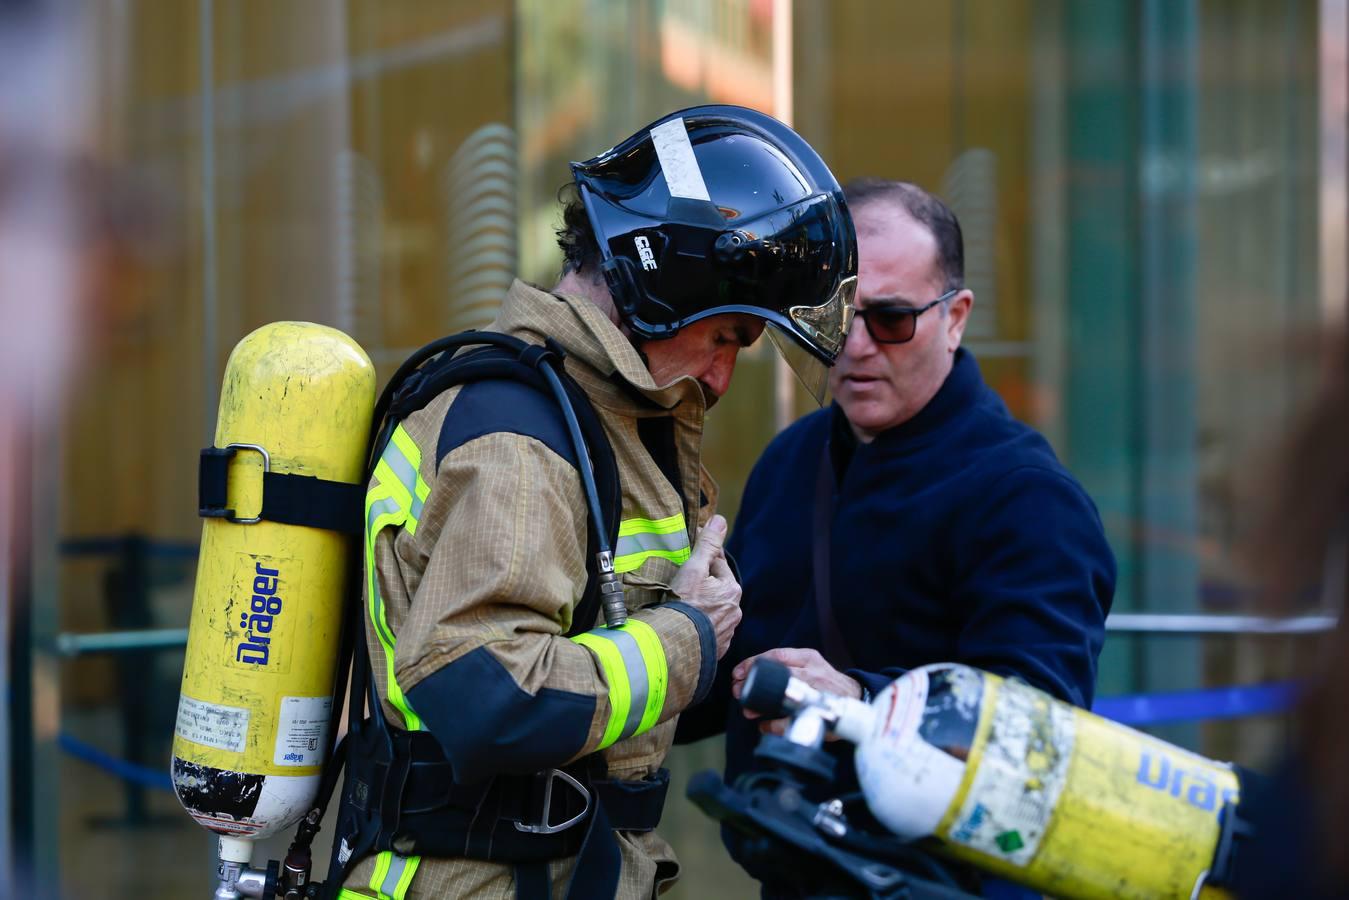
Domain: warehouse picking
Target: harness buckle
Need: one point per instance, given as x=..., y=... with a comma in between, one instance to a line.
x=543, y=826
x=213, y=479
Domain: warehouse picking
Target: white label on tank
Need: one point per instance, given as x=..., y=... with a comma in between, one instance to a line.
x=300, y=729
x=682, y=174
x=1020, y=776
x=212, y=724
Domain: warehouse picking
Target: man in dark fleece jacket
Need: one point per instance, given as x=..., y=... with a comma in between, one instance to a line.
x=954, y=533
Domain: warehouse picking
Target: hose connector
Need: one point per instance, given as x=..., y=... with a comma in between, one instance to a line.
x=611, y=591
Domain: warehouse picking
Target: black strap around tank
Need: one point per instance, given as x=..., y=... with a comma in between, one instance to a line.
x=1236, y=830
x=287, y=499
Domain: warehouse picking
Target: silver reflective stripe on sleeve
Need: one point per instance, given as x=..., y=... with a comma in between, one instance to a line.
x=391, y=878
x=638, y=543
x=638, y=686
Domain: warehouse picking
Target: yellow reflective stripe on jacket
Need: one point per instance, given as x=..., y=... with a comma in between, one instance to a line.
x=396, y=500
x=641, y=539
x=393, y=875
x=633, y=661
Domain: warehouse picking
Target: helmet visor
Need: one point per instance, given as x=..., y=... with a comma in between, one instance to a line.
x=825, y=327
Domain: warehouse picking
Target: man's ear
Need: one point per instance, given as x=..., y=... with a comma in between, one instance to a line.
x=956, y=319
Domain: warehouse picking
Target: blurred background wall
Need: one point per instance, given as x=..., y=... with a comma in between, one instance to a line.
x=1153, y=193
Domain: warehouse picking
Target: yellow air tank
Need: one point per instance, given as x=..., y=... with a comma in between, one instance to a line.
x=1007, y=778
x=263, y=641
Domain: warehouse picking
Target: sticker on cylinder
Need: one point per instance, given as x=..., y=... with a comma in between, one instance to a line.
x=1021, y=773
x=225, y=826
x=212, y=724
x=221, y=800
x=301, y=727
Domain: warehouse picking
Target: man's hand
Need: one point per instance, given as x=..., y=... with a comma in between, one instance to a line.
x=803, y=663
x=705, y=582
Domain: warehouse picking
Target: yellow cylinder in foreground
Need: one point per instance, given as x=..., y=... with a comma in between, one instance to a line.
x=267, y=609
x=1019, y=784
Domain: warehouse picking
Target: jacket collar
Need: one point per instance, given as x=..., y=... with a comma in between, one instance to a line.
x=599, y=356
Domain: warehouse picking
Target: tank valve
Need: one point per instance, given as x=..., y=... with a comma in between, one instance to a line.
x=237, y=880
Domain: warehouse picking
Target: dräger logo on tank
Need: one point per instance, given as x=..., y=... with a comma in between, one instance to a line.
x=257, y=621
x=1194, y=784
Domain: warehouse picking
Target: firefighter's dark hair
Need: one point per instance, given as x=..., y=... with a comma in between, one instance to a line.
x=576, y=236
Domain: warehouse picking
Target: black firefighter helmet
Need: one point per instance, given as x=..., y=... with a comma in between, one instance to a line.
x=721, y=209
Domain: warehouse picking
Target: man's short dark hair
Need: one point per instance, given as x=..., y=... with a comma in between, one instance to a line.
x=925, y=209
x=576, y=237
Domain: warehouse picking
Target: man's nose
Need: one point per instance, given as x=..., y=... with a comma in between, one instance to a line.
x=859, y=343
x=718, y=375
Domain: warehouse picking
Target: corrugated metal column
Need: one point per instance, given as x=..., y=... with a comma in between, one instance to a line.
x=1100, y=363
x=1167, y=238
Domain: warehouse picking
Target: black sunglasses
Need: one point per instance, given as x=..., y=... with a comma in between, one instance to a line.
x=896, y=324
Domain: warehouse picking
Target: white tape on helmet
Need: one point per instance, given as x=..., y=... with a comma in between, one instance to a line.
x=677, y=161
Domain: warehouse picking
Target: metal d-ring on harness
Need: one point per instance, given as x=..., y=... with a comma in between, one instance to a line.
x=400, y=800
x=542, y=826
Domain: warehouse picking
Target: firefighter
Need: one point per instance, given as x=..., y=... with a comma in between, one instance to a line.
x=682, y=245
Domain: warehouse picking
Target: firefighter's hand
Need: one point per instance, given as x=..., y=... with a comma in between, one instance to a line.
x=706, y=583
x=803, y=663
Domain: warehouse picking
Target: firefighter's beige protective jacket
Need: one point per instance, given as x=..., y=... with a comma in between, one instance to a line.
x=493, y=562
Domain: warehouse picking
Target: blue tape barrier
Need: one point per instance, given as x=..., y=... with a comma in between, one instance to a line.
x=1129, y=709
x=127, y=771
x=1208, y=703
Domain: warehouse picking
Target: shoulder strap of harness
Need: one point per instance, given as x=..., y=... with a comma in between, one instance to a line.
x=507, y=358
